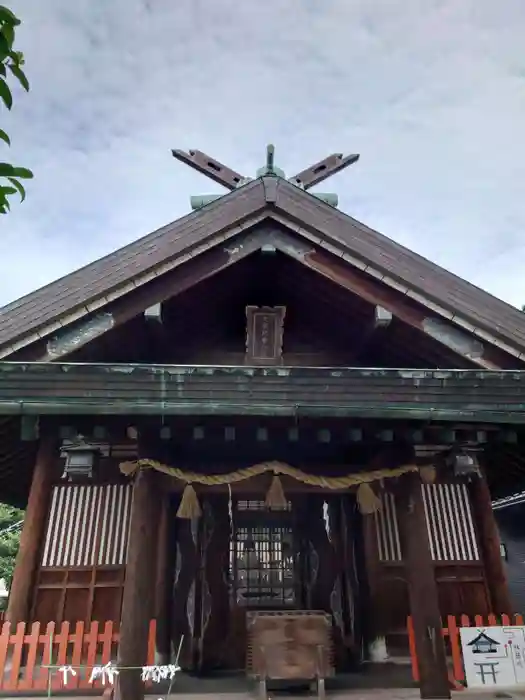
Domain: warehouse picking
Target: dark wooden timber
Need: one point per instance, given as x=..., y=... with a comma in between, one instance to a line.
x=173, y=283
x=410, y=270
x=162, y=587
x=461, y=395
x=27, y=559
x=139, y=587
x=210, y=167
x=323, y=169
x=376, y=293
x=488, y=533
x=422, y=587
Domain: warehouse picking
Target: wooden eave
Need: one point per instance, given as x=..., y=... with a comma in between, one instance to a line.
x=275, y=201
x=91, y=389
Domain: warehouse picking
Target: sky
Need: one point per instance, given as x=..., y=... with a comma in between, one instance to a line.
x=431, y=93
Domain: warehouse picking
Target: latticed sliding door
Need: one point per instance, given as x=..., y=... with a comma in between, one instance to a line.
x=263, y=557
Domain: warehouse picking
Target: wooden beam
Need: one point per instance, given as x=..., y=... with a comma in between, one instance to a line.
x=210, y=167
x=29, y=428
x=489, y=540
x=166, y=286
x=153, y=314
x=139, y=588
x=422, y=589
x=27, y=560
x=380, y=321
x=323, y=169
x=376, y=293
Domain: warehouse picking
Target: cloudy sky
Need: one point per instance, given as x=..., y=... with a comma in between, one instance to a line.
x=430, y=92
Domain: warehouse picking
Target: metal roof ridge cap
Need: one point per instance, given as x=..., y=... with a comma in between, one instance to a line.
x=271, y=185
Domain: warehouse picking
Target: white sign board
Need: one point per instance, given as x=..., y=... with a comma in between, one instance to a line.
x=493, y=656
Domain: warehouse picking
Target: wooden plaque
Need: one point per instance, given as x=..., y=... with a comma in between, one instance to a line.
x=264, y=334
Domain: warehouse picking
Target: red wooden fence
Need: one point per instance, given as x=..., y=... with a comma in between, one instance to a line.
x=452, y=640
x=28, y=650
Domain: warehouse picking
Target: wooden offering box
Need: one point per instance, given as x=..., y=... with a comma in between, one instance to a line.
x=290, y=645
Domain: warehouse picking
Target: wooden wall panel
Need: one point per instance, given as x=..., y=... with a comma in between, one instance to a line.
x=83, y=554
x=455, y=552
x=78, y=595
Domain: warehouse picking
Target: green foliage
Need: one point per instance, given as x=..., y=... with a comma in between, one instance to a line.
x=11, y=63
x=9, y=541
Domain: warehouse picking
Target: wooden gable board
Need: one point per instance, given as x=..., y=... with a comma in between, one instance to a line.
x=68, y=299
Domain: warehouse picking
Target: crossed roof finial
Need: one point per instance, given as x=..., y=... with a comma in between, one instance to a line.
x=231, y=179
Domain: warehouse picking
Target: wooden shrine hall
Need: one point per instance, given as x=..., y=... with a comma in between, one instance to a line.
x=263, y=407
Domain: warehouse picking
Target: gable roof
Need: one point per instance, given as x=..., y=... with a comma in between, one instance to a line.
x=56, y=305
x=483, y=637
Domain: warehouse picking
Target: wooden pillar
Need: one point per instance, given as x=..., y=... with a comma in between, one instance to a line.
x=139, y=587
x=422, y=590
x=373, y=624
x=27, y=560
x=163, y=587
x=489, y=540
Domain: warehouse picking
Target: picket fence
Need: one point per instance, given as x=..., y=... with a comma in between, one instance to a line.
x=28, y=650
x=453, y=642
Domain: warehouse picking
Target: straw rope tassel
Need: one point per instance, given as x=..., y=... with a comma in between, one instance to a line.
x=428, y=474
x=275, y=498
x=367, y=500
x=189, y=507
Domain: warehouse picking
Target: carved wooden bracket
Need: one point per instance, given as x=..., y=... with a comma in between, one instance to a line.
x=264, y=334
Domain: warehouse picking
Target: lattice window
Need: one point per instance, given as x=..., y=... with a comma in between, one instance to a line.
x=387, y=531
x=88, y=526
x=450, y=524
x=261, y=556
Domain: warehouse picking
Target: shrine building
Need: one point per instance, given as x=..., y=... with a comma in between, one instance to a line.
x=262, y=406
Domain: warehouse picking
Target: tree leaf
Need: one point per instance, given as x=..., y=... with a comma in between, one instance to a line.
x=19, y=75
x=5, y=94
x=4, y=47
x=5, y=137
x=8, y=32
x=8, y=190
x=6, y=170
x=7, y=16
x=22, y=173
x=18, y=57
x=19, y=187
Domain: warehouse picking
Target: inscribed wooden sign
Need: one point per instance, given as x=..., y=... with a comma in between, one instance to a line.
x=493, y=656
x=264, y=334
